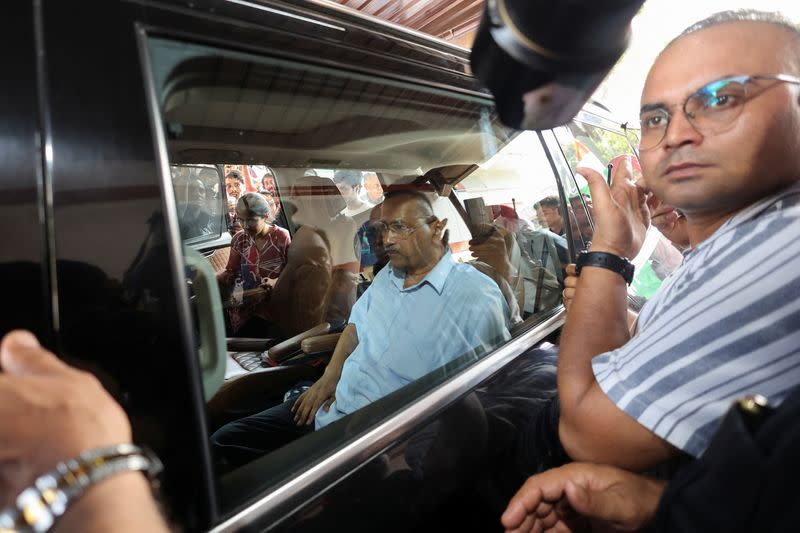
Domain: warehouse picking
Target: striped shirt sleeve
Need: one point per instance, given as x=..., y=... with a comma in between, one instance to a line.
x=725, y=324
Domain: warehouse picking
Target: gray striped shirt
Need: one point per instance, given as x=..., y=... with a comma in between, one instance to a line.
x=725, y=324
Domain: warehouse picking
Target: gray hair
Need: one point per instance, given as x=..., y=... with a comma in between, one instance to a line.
x=353, y=178
x=741, y=15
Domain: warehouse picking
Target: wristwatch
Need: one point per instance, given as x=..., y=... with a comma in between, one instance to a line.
x=612, y=262
x=38, y=507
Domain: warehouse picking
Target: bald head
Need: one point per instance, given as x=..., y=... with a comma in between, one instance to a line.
x=748, y=158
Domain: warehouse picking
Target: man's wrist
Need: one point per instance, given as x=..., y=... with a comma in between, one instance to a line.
x=119, y=499
x=609, y=261
x=599, y=246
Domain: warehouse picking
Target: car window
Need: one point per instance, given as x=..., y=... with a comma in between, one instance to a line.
x=515, y=224
x=595, y=147
x=325, y=252
x=200, y=203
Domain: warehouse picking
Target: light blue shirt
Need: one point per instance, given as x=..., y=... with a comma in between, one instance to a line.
x=404, y=334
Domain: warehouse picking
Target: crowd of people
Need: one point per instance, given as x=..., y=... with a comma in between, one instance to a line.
x=719, y=149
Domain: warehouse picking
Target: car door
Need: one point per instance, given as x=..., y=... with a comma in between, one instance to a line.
x=170, y=90
x=26, y=251
x=121, y=307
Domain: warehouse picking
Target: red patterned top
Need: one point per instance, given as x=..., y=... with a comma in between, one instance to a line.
x=254, y=265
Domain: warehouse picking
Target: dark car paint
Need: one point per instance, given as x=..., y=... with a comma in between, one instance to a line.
x=93, y=267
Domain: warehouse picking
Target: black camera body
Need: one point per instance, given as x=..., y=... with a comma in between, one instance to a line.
x=542, y=60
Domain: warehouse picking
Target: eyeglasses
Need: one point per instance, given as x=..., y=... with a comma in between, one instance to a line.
x=711, y=109
x=398, y=228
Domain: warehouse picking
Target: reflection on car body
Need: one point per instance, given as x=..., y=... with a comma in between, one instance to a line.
x=286, y=97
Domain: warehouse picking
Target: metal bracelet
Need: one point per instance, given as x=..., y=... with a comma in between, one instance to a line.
x=38, y=507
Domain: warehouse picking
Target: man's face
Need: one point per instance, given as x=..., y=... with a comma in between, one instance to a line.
x=197, y=192
x=757, y=154
x=552, y=217
x=407, y=251
x=540, y=218
x=233, y=187
x=349, y=193
x=373, y=186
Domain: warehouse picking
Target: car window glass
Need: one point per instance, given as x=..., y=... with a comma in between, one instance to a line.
x=199, y=201
x=515, y=226
x=595, y=147
x=358, y=174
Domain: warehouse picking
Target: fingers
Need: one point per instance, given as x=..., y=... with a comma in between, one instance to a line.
x=306, y=406
x=601, y=195
x=299, y=401
x=624, y=171
x=21, y=354
x=665, y=221
x=327, y=405
x=570, y=282
x=520, y=505
x=301, y=407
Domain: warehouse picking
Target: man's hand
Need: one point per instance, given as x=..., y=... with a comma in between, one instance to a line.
x=49, y=412
x=621, y=216
x=570, y=282
x=322, y=393
x=567, y=499
x=493, y=249
x=669, y=222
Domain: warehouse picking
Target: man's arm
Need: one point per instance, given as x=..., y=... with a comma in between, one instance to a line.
x=591, y=427
x=323, y=392
x=50, y=413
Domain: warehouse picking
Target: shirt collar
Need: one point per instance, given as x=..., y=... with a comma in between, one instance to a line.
x=435, y=278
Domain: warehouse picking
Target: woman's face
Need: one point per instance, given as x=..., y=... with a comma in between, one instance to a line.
x=253, y=224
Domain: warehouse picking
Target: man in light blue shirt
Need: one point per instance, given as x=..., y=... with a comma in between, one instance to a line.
x=423, y=312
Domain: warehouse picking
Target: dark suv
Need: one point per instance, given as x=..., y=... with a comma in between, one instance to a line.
x=121, y=121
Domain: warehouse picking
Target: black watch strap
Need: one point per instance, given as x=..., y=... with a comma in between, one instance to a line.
x=612, y=262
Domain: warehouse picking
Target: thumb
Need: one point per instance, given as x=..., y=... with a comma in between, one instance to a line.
x=21, y=354
x=598, y=504
x=601, y=195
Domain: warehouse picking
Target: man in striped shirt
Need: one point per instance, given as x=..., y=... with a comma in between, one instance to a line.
x=720, y=141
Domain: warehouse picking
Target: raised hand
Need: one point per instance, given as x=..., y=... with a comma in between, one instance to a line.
x=621, y=215
x=668, y=221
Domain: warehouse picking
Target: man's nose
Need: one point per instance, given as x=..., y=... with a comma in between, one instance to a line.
x=680, y=131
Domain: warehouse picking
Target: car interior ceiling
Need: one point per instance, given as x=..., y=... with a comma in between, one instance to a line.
x=309, y=120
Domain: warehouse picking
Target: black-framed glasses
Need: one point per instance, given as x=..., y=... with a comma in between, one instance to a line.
x=398, y=228
x=711, y=109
